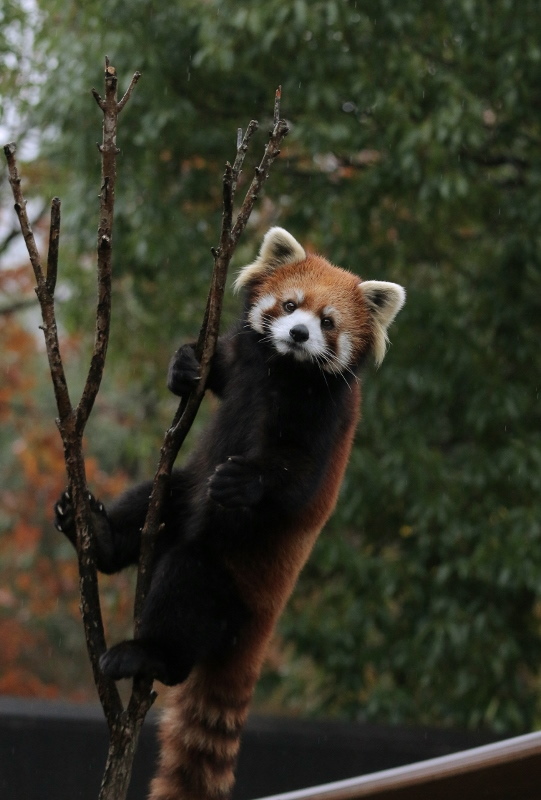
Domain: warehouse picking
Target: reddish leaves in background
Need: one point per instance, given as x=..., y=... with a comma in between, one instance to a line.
x=43, y=652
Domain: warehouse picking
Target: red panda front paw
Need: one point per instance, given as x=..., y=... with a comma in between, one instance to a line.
x=183, y=371
x=64, y=517
x=64, y=513
x=237, y=482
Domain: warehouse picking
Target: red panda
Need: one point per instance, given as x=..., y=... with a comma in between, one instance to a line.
x=242, y=516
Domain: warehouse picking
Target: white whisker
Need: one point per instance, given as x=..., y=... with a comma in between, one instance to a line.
x=333, y=363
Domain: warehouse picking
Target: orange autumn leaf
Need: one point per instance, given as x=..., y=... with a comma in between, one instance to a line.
x=20, y=681
x=23, y=582
x=15, y=639
x=25, y=536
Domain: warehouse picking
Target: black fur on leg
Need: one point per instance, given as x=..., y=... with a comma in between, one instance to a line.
x=183, y=372
x=143, y=659
x=192, y=612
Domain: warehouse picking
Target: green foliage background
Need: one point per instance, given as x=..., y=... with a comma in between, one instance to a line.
x=415, y=157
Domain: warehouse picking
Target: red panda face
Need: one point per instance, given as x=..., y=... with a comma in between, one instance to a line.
x=315, y=312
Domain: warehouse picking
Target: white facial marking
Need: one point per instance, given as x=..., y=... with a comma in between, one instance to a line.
x=258, y=311
x=345, y=349
x=298, y=296
x=280, y=329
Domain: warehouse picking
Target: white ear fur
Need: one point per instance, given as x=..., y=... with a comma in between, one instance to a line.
x=279, y=247
x=384, y=300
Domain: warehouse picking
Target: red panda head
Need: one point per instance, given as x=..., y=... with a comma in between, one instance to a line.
x=314, y=311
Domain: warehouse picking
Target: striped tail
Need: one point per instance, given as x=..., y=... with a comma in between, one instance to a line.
x=200, y=731
x=200, y=735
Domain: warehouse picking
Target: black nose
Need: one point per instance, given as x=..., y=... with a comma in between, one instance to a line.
x=299, y=333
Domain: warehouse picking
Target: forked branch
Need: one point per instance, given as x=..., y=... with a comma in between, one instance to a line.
x=125, y=724
x=72, y=420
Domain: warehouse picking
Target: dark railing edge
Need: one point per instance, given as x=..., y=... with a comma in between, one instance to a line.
x=422, y=772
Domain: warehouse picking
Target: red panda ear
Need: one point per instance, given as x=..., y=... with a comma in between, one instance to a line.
x=278, y=248
x=384, y=300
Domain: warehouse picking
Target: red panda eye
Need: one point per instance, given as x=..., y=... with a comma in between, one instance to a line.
x=327, y=323
x=289, y=306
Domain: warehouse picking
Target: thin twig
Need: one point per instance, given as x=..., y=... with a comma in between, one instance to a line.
x=54, y=241
x=227, y=205
x=45, y=296
x=109, y=151
x=242, y=146
x=99, y=100
x=128, y=92
x=277, y=99
x=272, y=150
x=20, y=209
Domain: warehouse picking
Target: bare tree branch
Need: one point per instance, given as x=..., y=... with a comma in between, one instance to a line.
x=109, y=151
x=72, y=448
x=71, y=421
x=54, y=242
x=125, y=724
x=277, y=99
x=128, y=91
x=45, y=297
x=20, y=209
